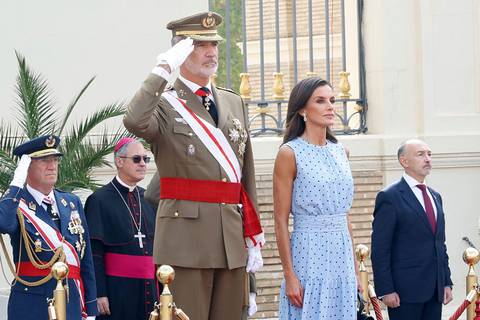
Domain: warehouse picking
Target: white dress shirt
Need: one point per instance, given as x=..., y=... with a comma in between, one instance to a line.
x=38, y=196
x=418, y=193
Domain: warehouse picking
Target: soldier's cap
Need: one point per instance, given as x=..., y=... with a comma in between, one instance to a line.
x=39, y=147
x=199, y=27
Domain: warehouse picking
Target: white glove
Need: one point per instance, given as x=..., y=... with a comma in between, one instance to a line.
x=252, y=304
x=20, y=175
x=91, y=318
x=177, y=54
x=254, y=261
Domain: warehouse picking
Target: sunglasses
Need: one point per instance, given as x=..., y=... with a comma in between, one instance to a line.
x=137, y=158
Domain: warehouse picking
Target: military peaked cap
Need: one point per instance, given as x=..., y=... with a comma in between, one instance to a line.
x=40, y=147
x=200, y=26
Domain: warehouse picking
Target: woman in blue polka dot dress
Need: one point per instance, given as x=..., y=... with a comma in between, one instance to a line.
x=313, y=181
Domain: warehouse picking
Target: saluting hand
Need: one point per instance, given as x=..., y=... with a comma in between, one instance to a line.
x=176, y=55
x=20, y=175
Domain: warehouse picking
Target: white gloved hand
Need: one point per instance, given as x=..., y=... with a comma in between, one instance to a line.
x=252, y=304
x=254, y=261
x=177, y=54
x=20, y=175
x=91, y=318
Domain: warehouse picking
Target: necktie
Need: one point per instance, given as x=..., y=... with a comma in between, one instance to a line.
x=49, y=204
x=208, y=103
x=428, y=207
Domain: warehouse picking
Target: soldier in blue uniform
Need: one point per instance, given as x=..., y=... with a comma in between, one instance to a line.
x=45, y=225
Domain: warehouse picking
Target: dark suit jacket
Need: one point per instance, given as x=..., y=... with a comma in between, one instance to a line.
x=407, y=257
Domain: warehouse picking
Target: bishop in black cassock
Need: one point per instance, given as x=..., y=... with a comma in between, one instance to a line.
x=122, y=244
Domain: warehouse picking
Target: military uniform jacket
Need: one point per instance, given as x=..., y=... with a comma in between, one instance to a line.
x=31, y=302
x=188, y=233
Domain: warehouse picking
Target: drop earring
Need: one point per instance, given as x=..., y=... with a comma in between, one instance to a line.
x=305, y=117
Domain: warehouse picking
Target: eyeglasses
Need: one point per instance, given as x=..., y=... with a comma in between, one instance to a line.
x=137, y=158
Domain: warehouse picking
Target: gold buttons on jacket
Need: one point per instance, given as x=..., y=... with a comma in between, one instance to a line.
x=224, y=179
x=190, y=134
x=156, y=94
x=176, y=214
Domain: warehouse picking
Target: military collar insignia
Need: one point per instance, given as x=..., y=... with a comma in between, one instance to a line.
x=32, y=206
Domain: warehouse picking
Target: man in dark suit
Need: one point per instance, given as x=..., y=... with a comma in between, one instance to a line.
x=409, y=255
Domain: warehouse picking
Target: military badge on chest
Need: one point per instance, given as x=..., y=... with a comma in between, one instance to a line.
x=75, y=227
x=238, y=135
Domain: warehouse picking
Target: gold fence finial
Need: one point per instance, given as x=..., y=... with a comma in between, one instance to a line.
x=245, y=89
x=344, y=85
x=278, y=87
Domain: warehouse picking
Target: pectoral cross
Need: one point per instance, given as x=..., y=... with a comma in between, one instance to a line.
x=140, y=236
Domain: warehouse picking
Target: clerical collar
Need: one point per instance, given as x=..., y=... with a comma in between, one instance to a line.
x=39, y=196
x=192, y=85
x=130, y=188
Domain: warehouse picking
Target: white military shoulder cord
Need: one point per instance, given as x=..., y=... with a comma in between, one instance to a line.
x=138, y=226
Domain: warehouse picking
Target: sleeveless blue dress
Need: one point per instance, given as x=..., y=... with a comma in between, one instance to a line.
x=320, y=242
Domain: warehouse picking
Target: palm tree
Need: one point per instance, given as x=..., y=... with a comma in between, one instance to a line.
x=37, y=115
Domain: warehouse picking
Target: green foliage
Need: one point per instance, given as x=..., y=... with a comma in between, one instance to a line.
x=36, y=115
x=236, y=57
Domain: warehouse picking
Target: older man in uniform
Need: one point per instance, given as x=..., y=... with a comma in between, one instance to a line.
x=204, y=158
x=45, y=225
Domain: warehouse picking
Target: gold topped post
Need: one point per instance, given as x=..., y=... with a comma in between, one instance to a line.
x=245, y=89
x=362, y=252
x=166, y=309
x=471, y=256
x=166, y=274
x=278, y=87
x=59, y=302
x=344, y=85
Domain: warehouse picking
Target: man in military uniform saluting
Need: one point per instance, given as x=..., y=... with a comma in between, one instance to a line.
x=198, y=135
x=45, y=225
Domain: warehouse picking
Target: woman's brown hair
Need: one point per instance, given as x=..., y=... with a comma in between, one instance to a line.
x=301, y=93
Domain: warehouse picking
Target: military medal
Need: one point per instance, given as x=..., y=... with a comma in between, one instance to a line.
x=38, y=245
x=64, y=202
x=234, y=135
x=238, y=135
x=72, y=205
x=191, y=150
x=207, y=103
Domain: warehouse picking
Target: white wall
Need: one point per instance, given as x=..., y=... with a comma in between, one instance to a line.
x=71, y=41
